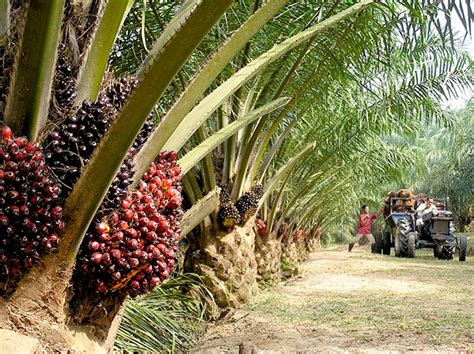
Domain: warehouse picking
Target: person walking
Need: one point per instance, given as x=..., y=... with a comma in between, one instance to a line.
x=365, y=225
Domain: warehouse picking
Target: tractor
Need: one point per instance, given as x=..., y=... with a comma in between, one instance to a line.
x=407, y=231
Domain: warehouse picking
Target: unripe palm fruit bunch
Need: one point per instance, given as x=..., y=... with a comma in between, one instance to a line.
x=69, y=147
x=228, y=214
x=64, y=90
x=247, y=204
x=30, y=209
x=132, y=249
x=224, y=196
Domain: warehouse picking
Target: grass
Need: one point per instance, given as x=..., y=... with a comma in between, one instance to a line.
x=288, y=269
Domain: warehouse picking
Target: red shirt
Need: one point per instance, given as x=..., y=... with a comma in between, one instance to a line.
x=365, y=223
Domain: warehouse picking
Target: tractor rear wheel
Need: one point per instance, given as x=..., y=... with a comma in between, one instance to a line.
x=386, y=243
x=404, y=231
x=462, y=248
x=411, y=251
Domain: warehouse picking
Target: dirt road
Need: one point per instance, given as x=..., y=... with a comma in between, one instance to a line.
x=357, y=302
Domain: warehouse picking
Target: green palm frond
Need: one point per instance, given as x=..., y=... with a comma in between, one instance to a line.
x=172, y=316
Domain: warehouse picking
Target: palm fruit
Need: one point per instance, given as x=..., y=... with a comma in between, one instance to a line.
x=224, y=196
x=64, y=88
x=119, y=186
x=387, y=203
x=119, y=91
x=257, y=191
x=132, y=248
x=30, y=209
x=228, y=215
x=261, y=227
x=247, y=204
x=145, y=132
x=298, y=234
x=70, y=146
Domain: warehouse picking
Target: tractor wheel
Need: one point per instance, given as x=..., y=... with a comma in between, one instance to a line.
x=386, y=243
x=378, y=245
x=437, y=250
x=449, y=247
x=404, y=237
x=411, y=251
x=462, y=248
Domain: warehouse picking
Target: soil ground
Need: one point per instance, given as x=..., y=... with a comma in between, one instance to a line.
x=356, y=302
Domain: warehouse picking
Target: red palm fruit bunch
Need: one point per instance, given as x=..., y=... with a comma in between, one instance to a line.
x=298, y=234
x=261, y=227
x=30, y=209
x=133, y=248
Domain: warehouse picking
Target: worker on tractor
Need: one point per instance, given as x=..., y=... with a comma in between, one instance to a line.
x=424, y=209
x=365, y=226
